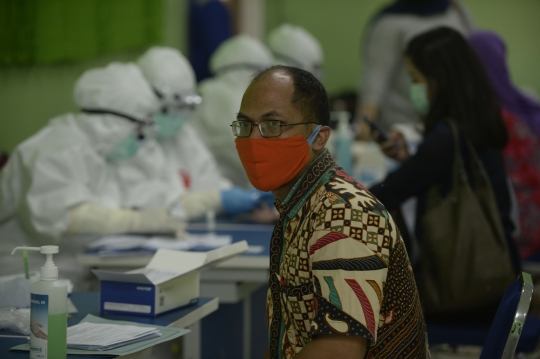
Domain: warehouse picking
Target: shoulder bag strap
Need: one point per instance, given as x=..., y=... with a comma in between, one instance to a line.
x=459, y=175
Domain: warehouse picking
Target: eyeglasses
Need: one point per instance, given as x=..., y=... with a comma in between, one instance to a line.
x=271, y=128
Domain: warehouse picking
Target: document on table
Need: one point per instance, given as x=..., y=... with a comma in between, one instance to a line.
x=166, y=334
x=105, y=336
x=126, y=244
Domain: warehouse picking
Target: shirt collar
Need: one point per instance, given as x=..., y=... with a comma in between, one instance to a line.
x=318, y=170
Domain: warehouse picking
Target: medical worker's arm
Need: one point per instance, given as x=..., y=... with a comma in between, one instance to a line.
x=232, y=201
x=90, y=218
x=197, y=203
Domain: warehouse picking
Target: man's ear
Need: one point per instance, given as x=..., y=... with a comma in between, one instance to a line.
x=321, y=139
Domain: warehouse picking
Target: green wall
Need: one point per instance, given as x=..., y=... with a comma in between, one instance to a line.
x=340, y=24
x=31, y=95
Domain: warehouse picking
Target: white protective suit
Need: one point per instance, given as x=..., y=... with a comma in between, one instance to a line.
x=233, y=64
x=295, y=46
x=172, y=77
x=59, y=187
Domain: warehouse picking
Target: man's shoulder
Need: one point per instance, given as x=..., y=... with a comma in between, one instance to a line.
x=342, y=190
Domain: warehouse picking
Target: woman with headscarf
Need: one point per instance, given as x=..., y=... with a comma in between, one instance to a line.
x=521, y=115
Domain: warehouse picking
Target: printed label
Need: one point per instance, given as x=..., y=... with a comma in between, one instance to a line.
x=39, y=325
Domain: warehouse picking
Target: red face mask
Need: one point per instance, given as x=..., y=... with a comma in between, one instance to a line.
x=272, y=162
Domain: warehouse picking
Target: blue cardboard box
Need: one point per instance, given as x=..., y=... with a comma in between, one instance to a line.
x=171, y=280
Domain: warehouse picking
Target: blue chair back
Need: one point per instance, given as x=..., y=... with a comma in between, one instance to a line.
x=506, y=328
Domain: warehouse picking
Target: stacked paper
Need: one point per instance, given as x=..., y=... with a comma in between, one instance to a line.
x=129, y=244
x=101, y=336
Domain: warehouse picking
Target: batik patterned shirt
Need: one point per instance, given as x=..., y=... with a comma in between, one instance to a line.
x=338, y=266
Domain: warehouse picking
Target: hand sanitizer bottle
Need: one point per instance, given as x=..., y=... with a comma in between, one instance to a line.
x=343, y=142
x=48, y=310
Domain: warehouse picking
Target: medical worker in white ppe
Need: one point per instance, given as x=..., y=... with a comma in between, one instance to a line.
x=64, y=179
x=233, y=65
x=295, y=46
x=61, y=186
x=173, y=80
x=70, y=182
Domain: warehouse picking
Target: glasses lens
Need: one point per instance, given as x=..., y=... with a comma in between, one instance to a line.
x=241, y=128
x=270, y=128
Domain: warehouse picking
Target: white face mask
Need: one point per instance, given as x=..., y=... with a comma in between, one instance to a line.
x=126, y=149
x=418, y=96
x=167, y=125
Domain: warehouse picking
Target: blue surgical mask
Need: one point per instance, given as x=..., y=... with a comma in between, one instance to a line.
x=167, y=125
x=418, y=96
x=126, y=149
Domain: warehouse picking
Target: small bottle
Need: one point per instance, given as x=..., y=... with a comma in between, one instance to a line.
x=48, y=310
x=343, y=142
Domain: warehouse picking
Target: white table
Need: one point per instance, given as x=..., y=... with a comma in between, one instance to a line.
x=232, y=281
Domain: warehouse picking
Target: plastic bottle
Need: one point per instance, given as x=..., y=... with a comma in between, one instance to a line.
x=48, y=310
x=343, y=142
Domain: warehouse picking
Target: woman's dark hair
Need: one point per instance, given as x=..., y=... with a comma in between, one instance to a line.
x=462, y=91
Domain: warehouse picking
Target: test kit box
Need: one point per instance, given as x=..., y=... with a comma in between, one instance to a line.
x=171, y=280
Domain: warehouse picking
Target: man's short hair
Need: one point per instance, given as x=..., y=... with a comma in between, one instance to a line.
x=309, y=96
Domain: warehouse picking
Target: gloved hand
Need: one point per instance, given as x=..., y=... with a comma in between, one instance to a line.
x=156, y=220
x=90, y=218
x=196, y=204
x=238, y=200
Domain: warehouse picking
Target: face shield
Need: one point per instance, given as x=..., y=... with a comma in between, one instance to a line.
x=176, y=110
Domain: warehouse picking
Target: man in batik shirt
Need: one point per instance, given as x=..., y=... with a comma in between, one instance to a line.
x=341, y=285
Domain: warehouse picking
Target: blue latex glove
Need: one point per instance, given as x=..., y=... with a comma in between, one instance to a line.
x=238, y=200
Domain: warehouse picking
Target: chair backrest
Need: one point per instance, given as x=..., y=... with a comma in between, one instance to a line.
x=506, y=328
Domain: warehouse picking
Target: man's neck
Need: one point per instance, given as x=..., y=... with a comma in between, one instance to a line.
x=282, y=192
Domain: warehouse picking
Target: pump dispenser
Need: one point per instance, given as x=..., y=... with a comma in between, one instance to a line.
x=48, y=310
x=343, y=142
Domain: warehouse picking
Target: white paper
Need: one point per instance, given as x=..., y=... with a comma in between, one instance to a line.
x=171, y=260
x=110, y=245
x=117, y=242
x=167, y=264
x=255, y=249
x=94, y=336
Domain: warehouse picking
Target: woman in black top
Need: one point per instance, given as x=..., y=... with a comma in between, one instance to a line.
x=449, y=83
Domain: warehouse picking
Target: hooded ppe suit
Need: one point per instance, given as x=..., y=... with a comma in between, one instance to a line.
x=294, y=46
x=172, y=77
x=173, y=80
x=62, y=185
x=233, y=64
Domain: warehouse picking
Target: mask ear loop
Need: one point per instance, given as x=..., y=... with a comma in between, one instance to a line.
x=313, y=135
